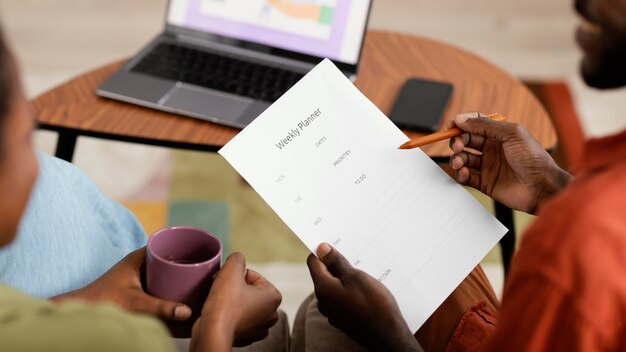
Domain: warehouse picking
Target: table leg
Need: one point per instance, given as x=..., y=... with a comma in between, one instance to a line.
x=66, y=145
x=507, y=243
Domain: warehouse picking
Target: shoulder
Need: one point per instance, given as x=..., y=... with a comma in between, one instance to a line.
x=39, y=325
x=56, y=171
x=64, y=185
x=107, y=325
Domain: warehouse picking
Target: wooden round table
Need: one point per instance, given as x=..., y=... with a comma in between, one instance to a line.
x=73, y=109
x=388, y=60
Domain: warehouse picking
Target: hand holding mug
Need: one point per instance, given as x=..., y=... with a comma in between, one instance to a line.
x=121, y=285
x=241, y=308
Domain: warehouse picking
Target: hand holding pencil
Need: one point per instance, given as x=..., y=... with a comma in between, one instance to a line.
x=505, y=162
x=439, y=136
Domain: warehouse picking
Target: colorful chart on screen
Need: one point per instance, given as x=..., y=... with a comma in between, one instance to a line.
x=309, y=18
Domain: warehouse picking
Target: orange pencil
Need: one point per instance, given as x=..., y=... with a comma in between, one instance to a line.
x=440, y=136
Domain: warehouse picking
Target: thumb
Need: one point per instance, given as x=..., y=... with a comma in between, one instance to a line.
x=336, y=263
x=479, y=124
x=254, y=278
x=234, y=265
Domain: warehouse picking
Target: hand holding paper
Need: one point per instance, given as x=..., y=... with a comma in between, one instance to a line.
x=326, y=160
x=357, y=304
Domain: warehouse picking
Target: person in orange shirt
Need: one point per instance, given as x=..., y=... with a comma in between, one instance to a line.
x=567, y=285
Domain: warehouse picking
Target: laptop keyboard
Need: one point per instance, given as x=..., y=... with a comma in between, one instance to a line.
x=217, y=72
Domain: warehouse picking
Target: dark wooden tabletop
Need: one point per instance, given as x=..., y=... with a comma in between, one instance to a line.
x=388, y=60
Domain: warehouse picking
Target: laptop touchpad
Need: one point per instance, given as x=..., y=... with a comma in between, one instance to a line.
x=206, y=103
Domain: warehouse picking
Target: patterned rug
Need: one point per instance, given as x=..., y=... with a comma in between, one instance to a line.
x=202, y=190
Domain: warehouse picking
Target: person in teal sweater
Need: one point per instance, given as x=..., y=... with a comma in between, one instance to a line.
x=111, y=313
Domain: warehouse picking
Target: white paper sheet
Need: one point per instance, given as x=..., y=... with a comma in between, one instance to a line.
x=327, y=161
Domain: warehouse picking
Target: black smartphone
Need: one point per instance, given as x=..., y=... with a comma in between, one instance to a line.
x=420, y=105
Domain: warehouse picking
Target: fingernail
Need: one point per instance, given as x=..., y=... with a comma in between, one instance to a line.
x=182, y=313
x=453, y=164
x=323, y=249
x=461, y=118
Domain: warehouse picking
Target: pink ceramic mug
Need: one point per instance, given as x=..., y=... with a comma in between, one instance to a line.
x=180, y=266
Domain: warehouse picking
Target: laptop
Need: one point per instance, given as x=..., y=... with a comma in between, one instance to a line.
x=226, y=61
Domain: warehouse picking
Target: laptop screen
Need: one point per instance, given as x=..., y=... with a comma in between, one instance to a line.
x=322, y=28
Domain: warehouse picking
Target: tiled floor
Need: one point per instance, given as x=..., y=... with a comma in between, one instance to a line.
x=57, y=39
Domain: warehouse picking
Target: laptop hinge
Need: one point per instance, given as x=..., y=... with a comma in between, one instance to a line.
x=249, y=54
